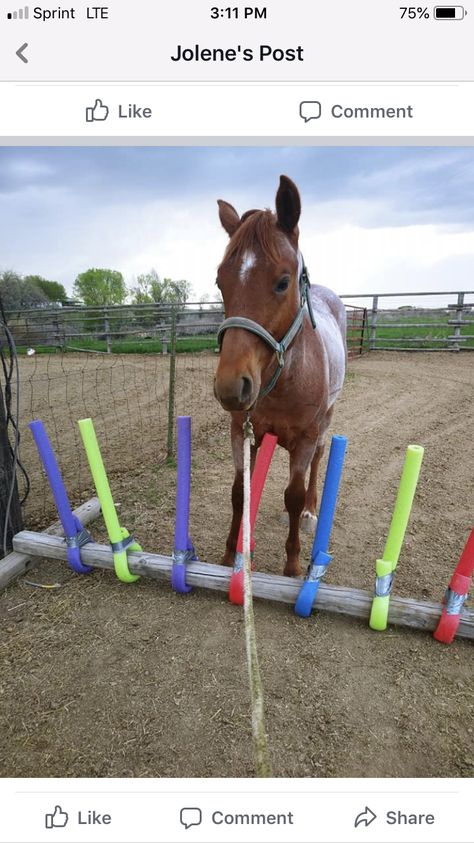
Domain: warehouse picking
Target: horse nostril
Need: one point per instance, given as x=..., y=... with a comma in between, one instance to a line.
x=246, y=390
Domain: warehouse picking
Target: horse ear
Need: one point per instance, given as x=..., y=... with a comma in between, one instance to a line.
x=228, y=216
x=288, y=205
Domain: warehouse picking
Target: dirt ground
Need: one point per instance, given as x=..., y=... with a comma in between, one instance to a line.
x=98, y=678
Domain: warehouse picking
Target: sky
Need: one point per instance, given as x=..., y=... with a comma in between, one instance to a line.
x=374, y=219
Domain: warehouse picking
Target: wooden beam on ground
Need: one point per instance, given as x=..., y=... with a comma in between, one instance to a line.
x=17, y=563
x=331, y=598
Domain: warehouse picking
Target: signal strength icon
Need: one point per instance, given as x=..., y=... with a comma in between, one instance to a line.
x=20, y=14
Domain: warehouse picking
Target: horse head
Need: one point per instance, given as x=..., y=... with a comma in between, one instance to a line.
x=260, y=281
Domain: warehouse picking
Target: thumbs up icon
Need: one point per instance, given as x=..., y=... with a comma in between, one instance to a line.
x=56, y=820
x=98, y=111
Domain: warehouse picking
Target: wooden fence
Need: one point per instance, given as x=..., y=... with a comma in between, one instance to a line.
x=140, y=328
x=419, y=327
x=372, y=325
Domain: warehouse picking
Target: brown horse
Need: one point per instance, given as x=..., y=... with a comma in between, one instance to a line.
x=283, y=353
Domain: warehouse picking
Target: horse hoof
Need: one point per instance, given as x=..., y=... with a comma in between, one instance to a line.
x=228, y=560
x=308, y=522
x=293, y=571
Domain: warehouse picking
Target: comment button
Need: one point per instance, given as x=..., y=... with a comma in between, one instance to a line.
x=310, y=110
x=190, y=816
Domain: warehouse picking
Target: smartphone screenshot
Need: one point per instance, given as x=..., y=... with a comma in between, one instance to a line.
x=236, y=422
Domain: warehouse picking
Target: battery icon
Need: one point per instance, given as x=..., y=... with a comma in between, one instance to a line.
x=449, y=12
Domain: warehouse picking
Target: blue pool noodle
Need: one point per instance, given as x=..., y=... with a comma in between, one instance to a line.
x=319, y=553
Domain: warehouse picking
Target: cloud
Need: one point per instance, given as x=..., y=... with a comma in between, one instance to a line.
x=374, y=219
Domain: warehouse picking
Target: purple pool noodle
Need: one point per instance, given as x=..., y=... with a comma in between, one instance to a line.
x=183, y=487
x=71, y=524
x=182, y=544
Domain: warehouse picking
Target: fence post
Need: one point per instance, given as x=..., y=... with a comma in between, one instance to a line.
x=57, y=339
x=172, y=386
x=15, y=520
x=362, y=331
x=373, y=323
x=457, y=328
x=108, y=339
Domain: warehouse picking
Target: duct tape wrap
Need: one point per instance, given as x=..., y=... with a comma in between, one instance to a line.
x=448, y=623
x=238, y=562
x=178, y=571
x=71, y=524
x=456, y=594
x=236, y=584
x=123, y=544
x=381, y=601
x=454, y=602
x=317, y=572
x=74, y=544
x=120, y=555
x=309, y=590
x=81, y=538
x=383, y=585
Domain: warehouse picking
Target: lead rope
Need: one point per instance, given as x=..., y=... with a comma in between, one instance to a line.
x=260, y=740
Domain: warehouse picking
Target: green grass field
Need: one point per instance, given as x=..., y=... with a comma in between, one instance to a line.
x=186, y=344
x=395, y=329
x=432, y=333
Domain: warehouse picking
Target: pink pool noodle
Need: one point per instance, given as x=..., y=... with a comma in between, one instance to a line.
x=259, y=475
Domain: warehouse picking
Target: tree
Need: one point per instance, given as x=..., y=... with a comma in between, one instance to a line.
x=100, y=287
x=150, y=288
x=19, y=293
x=53, y=291
x=175, y=292
x=141, y=294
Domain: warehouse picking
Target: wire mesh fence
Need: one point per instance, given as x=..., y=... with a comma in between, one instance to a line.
x=133, y=398
x=127, y=399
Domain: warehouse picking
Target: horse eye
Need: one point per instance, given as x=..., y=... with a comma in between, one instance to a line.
x=282, y=284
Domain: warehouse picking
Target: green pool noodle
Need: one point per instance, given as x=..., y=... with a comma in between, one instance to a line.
x=403, y=504
x=115, y=532
x=380, y=605
x=396, y=534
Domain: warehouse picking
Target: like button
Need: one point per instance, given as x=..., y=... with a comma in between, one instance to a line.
x=56, y=820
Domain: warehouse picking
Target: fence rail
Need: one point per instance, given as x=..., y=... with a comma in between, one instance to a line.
x=372, y=325
x=419, y=327
x=138, y=328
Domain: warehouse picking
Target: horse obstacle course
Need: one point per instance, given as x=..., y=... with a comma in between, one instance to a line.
x=125, y=556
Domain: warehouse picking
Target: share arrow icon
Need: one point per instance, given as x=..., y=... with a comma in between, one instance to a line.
x=365, y=818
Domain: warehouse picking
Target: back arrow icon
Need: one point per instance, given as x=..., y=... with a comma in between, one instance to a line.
x=20, y=51
x=365, y=818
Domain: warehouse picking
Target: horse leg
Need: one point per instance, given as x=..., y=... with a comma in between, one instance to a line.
x=294, y=501
x=237, y=493
x=309, y=518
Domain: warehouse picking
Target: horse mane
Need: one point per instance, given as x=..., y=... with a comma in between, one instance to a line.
x=256, y=229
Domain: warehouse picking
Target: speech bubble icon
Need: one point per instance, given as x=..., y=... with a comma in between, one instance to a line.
x=190, y=816
x=310, y=110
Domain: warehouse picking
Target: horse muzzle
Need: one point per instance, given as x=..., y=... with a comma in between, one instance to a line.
x=236, y=394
